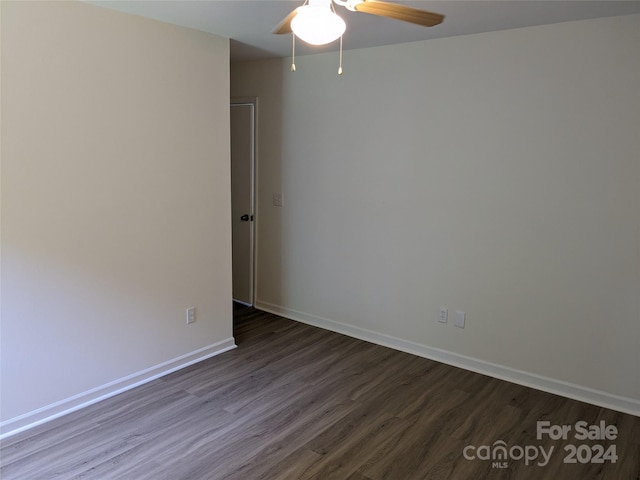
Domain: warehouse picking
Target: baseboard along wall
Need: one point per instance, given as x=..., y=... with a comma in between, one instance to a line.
x=539, y=382
x=84, y=399
x=551, y=385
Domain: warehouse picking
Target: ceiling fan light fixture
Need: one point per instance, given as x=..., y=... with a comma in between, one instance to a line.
x=317, y=24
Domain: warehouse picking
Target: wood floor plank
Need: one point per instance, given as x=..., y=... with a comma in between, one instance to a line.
x=294, y=465
x=297, y=402
x=346, y=457
x=284, y=443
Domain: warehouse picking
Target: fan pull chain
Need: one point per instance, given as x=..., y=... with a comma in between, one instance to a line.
x=293, y=52
x=340, y=65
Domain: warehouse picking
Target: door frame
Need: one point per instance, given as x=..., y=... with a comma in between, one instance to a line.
x=253, y=102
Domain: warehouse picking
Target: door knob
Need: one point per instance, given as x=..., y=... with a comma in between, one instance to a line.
x=244, y=218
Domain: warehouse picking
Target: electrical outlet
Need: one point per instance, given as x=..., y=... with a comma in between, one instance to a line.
x=460, y=317
x=278, y=200
x=191, y=315
x=444, y=315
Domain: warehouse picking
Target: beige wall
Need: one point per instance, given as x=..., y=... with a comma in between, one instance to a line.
x=496, y=173
x=115, y=203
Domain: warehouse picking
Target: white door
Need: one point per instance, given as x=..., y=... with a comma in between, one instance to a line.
x=242, y=211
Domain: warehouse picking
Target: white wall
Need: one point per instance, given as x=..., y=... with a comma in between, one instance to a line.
x=497, y=174
x=115, y=203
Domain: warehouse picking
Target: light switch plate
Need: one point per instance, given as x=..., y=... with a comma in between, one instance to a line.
x=460, y=317
x=278, y=200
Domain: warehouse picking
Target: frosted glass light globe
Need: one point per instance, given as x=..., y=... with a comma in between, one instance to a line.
x=317, y=24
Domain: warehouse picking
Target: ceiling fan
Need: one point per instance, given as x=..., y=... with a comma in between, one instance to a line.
x=317, y=23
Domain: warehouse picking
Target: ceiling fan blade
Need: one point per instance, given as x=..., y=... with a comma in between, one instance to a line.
x=400, y=12
x=285, y=25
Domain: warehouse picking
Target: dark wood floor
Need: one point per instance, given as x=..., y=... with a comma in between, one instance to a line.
x=294, y=401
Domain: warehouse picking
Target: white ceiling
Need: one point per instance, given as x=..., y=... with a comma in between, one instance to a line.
x=248, y=23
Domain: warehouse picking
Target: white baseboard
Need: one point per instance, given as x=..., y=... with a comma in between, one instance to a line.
x=84, y=399
x=539, y=382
